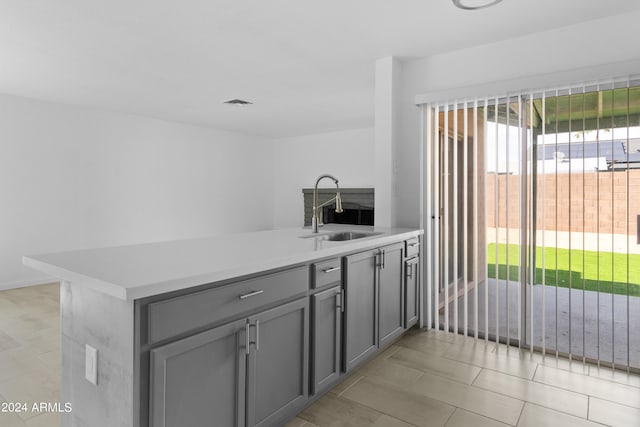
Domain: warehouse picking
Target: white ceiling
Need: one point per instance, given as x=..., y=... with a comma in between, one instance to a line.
x=307, y=65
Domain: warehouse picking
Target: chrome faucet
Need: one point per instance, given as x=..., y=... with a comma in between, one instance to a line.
x=316, y=208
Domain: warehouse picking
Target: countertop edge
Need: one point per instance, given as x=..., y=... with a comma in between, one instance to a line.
x=157, y=288
x=71, y=276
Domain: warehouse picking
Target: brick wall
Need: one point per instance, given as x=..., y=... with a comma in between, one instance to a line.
x=590, y=202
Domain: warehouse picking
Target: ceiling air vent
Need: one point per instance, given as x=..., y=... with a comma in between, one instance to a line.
x=237, y=102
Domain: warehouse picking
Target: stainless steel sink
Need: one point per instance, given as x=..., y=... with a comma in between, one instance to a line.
x=348, y=235
x=341, y=236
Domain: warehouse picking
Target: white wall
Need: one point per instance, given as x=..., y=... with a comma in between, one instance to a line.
x=348, y=155
x=74, y=178
x=386, y=135
x=599, y=49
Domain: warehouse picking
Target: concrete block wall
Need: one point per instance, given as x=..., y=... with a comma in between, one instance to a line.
x=604, y=202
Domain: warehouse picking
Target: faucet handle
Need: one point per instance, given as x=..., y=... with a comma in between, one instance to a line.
x=339, y=203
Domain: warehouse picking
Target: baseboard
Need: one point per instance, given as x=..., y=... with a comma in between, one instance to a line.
x=26, y=283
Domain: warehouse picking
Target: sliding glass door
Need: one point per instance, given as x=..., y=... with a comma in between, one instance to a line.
x=532, y=209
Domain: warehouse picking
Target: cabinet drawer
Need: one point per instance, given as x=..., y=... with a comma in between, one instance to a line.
x=412, y=247
x=326, y=272
x=177, y=315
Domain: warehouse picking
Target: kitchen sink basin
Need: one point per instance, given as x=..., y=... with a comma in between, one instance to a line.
x=348, y=235
x=341, y=236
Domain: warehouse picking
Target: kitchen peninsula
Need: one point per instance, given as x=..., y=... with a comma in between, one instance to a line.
x=231, y=330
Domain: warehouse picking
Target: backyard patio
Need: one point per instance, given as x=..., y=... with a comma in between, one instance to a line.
x=596, y=329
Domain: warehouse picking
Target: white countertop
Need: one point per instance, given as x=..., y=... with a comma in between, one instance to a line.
x=138, y=271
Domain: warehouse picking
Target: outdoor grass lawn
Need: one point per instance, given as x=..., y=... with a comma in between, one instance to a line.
x=581, y=269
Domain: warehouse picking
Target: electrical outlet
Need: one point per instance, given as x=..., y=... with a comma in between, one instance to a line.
x=91, y=364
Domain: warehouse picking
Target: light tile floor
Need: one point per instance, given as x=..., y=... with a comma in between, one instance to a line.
x=29, y=354
x=437, y=379
x=424, y=379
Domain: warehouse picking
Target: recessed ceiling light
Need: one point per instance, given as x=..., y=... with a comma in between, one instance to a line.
x=237, y=102
x=474, y=4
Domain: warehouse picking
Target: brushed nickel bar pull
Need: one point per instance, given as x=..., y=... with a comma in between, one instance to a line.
x=410, y=271
x=257, y=335
x=330, y=270
x=414, y=244
x=247, y=341
x=342, y=300
x=251, y=294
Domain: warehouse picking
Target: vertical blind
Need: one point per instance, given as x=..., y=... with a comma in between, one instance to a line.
x=532, y=209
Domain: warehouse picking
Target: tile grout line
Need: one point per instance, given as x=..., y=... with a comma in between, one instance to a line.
x=597, y=377
x=449, y=403
x=450, y=416
x=476, y=377
x=572, y=416
x=483, y=415
x=537, y=382
x=361, y=376
x=521, y=412
x=397, y=387
x=534, y=403
x=535, y=371
x=588, y=367
x=587, y=394
x=538, y=404
x=611, y=401
x=435, y=373
x=362, y=405
x=481, y=368
x=402, y=421
x=477, y=365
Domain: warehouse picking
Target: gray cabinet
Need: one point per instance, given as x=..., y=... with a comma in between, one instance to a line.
x=200, y=380
x=326, y=273
x=326, y=309
x=171, y=317
x=361, y=307
x=251, y=372
x=235, y=355
x=412, y=247
x=277, y=370
x=391, y=293
x=412, y=283
x=374, y=301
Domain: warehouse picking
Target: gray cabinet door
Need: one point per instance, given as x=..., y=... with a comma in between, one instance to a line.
x=199, y=380
x=411, y=293
x=391, y=289
x=361, y=310
x=278, y=363
x=326, y=337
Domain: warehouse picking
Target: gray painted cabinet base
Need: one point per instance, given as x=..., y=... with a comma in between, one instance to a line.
x=391, y=289
x=210, y=379
x=251, y=368
x=374, y=302
x=199, y=380
x=412, y=291
x=326, y=338
x=361, y=308
x=277, y=380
